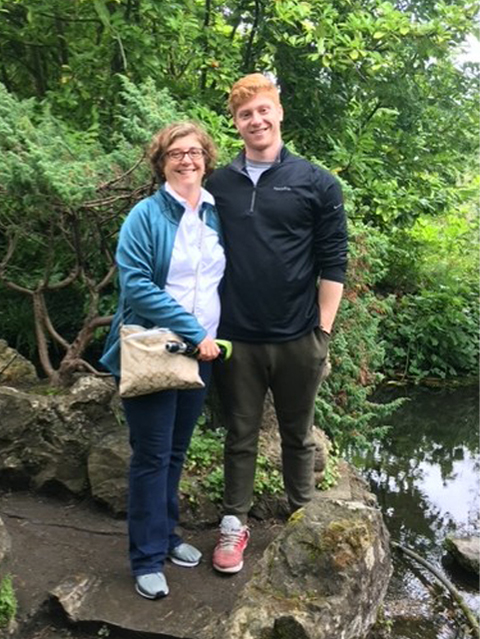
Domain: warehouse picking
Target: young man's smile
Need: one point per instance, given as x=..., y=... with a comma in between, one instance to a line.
x=258, y=122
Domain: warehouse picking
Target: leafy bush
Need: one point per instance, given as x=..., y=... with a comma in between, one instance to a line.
x=431, y=330
x=343, y=409
x=8, y=601
x=64, y=195
x=204, y=467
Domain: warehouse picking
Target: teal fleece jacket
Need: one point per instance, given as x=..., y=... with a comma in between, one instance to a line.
x=143, y=258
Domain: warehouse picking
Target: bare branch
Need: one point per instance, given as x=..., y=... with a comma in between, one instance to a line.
x=49, y=326
x=12, y=244
x=109, y=200
x=90, y=368
x=251, y=37
x=205, y=38
x=107, y=185
x=106, y=320
x=66, y=281
x=16, y=287
x=40, y=334
x=65, y=19
x=108, y=278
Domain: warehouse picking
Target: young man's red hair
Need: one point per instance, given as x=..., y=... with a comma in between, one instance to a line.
x=248, y=87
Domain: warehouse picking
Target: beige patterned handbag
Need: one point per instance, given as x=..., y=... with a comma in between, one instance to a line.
x=147, y=366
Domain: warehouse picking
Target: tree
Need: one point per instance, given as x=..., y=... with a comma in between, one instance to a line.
x=72, y=54
x=63, y=199
x=370, y=89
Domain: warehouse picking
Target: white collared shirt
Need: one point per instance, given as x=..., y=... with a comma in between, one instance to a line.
x=196, y=246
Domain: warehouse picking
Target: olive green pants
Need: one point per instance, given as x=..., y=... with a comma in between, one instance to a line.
x=292, y=371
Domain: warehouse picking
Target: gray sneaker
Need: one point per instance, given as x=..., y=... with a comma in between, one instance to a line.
x=151, y=586
x=185, y=555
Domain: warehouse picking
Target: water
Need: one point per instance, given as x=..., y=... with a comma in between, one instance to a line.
x=426, y=475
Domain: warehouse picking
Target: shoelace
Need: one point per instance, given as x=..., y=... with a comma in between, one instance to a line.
x=231, y=538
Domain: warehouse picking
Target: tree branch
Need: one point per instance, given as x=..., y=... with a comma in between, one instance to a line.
x=446, y=583
x=251, y=37
x=206, y=24
x=91, y=369
x=66, y=281
x=108, y=278
x=16, y=287
x=49, y=326
x=107, y=185
x=12, y=244
x=40, y=334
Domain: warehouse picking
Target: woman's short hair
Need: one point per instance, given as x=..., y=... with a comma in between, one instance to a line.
x=248, y=87
x=164, y=138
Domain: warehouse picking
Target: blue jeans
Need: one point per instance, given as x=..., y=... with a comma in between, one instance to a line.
x=161, y=426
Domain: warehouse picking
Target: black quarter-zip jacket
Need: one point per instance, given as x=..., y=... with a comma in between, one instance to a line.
x=280, y=236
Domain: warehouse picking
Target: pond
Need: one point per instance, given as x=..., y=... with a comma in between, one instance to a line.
x=426, y=475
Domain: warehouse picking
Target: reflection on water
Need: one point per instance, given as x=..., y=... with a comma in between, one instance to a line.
x=426, y=475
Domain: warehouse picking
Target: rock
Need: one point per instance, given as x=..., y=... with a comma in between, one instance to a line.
x=91, y=390
x=46, y=438
x=324, y=576
x=14, y=368
x=321, y=576
x=73, y=592
x=107, y=470
x=270, y=446
x=5, y=547
x=466, y=551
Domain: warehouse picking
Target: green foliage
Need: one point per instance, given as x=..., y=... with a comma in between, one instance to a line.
x=433, y=334
x=73, y=55
x=142, y=111
x=343, y=408
x=371, y=90
x=204, y=467
x=103, y=631
x=432, y=327
x=8, y=601
x=63, y=197
x=331, y=473
x=205, y=451
x=220, y=128
x=268, y=480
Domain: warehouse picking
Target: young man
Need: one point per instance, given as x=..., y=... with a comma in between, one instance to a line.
x=286, y=245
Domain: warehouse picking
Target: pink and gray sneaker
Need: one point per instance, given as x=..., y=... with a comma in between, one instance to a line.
x=228, y=553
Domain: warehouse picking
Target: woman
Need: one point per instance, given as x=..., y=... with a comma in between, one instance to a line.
x=170, y=261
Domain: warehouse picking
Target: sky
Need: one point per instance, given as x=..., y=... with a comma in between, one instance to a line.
x=471, y=50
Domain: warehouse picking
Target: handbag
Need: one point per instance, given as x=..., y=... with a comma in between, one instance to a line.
x=147, y=366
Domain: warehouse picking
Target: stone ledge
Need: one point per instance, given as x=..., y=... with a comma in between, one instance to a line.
x=325, y=575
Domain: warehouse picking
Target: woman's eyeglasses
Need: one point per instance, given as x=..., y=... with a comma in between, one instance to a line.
x=194, y=154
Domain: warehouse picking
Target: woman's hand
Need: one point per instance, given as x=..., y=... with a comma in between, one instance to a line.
x=208, y=350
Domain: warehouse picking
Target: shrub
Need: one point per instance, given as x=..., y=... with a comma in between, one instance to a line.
x=8, y=602
x=431, y=329
x=204, y=467
x=343, y=408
